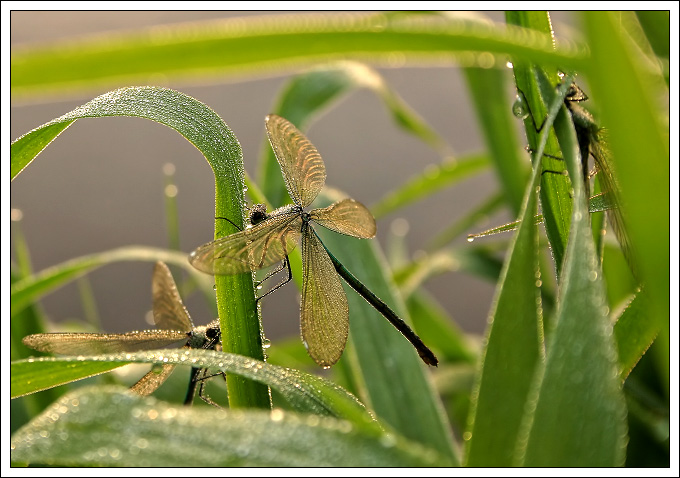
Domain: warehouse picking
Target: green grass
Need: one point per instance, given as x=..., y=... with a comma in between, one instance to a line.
x=561, y=376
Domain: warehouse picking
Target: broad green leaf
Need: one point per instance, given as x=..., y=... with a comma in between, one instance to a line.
x=305, y=392
x=638, y=134
x=29, y=289
x=577, y=413
x=310, y=93
x=391, y=378
x=109, y=427
x=266, y=44
x=514, y=344
x=433, y=179
x=635, y=330
x=207, y=131
x=42, y=373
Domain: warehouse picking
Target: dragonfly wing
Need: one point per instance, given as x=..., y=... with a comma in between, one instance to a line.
x=85, y=344
x=303, y=170
x=324, y=313
x=169, y=312
x=610, y=187
x=256, y=247
x=152, y=380
x=346, y=217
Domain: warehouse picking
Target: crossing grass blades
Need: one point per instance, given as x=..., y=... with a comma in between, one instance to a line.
x=324, y=313
x=174, y=325
x=592, y=143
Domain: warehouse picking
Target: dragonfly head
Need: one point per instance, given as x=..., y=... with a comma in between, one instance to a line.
x=205, y=337
x=258, y=213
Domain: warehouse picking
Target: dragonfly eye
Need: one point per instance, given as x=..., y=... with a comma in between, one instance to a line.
x=212, y=333
x=258, y=214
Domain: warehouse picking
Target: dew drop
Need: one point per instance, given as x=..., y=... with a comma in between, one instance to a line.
x=276, y=415
x=170, y=190
x=519, y=108
x=471, y=238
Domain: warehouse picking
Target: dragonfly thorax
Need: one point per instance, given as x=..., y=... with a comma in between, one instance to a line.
x=205, y=337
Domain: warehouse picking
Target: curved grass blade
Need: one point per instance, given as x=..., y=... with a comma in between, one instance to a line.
x=207, y=131
x=107, y=427
x=29, y=289
x=305, y=392
x=310, y=93
x=271, y=43
x=434, y=178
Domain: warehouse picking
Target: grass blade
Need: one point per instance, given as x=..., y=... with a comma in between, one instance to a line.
x=578, y=413
x=271, y=43
x=208, y=132
x=107, y=427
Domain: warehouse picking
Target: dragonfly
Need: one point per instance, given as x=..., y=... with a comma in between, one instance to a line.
x=174, y=325
x=324, y=312
x=592, y=142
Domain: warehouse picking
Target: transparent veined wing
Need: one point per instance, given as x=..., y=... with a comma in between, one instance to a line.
x=346, y=217
x=84, y=343
x=152, y=380
x=256, y=247
x=303, y=169
x=169, y=312
x=610, y=188
x=324, y=313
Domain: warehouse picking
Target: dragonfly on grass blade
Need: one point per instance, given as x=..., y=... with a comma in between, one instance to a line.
x=174, y=325
x=592, y=142
x=324, y=313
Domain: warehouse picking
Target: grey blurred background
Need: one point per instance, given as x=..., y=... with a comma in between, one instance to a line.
x=97, y=188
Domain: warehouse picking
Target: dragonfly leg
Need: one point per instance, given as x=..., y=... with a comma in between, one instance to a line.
x=285, y=263
x=230, y=221
x=199, y=377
